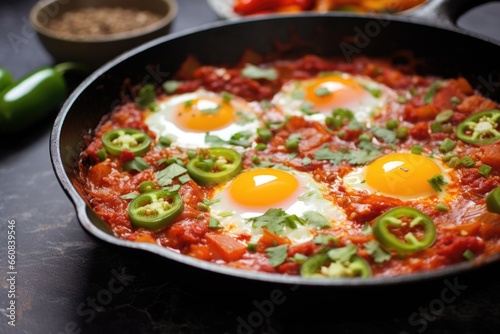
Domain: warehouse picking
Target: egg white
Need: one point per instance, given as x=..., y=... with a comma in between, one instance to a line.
x=161, y=122
x=291, y=97
x=234, y=217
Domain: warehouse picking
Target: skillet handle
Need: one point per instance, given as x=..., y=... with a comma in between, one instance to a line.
x=445, y=12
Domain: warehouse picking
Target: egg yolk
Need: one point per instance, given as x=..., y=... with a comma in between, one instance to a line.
x=204, y=114
x=402, y=174
x=263, y=187
x=333, y=91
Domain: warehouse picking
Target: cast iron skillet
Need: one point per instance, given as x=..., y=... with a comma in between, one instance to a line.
x=446, y=52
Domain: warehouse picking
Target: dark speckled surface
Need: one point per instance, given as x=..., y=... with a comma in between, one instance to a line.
x=69, y=282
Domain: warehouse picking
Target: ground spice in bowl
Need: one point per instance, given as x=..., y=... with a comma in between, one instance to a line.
x=90, y=22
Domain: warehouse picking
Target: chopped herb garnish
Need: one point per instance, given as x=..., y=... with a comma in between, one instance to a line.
x=165, y=141
x=244, y=118
x=444, y=116
x=307, y=108
x=325, y=239
x=437, y=181
x=442, y=207
x=447, y=145
x=467, y=162
x=138, y=164
x=375, y=91
x=255, y=72
x=306, y=161
x=264, y=134
x=484, y=170
x=131, y=195
x=377, y=253
x=273, y=219
x=184, y=178
x=392, y=124
x=342, y=254
x=214, y=224
x=455, y=100
x=277, y=255
x=226, y=97
x=367, y=229
x=402, y=132
x=146, y=98
x=468, y=255
x=355, y=157
x=431, y=92
x=322, y=91
x=292, y=142
x=316, y=219
x=260, y=147
x=384, y=134
x=416, y=149
x=102, y=154
x=166, y=175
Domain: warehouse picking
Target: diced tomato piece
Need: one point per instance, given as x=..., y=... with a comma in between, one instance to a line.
x=491, y=156
x=98, y=172
x=201, y=252
x=269, y=239
x=420, y=131
x=225, y=247
x=127, y=156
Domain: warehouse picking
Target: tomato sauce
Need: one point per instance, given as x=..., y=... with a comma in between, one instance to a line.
x=464, y=227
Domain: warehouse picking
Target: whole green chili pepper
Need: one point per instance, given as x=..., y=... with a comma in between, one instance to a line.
x=5, y=78
x=29, y=100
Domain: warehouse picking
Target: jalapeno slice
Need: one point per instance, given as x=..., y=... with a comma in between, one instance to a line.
x=480, y=128
x=394, y=218
x=119, y=140
x=155, y=210
x=493, y=201
x=214, y=166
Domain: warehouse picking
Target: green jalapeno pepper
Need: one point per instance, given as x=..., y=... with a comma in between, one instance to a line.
x=119, y=140
x=480, y=128
x=393, y=218
x=5, y=78
x=27, y=101
x=156, y=209
x=214, y=166
x=493, y=201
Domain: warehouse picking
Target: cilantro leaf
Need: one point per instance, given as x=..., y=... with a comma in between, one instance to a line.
x=214, y=224
x=384, y=134
x=342, y=254
x=277, y=255
x=255, y=72
x=315, y=219
x=324, y=239
x=325, y=154
x=138, y=164
x=377, y=253
x=146, y=97
x=437, y=181
x=131, y=195
x=273, y=219
x=166, y=175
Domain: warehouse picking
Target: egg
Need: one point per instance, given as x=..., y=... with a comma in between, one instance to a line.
x=253, y=192
x=401, y=175
x=317, y=97
x=187, y=118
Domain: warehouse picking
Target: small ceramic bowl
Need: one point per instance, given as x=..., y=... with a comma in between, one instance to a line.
x=97, y=49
